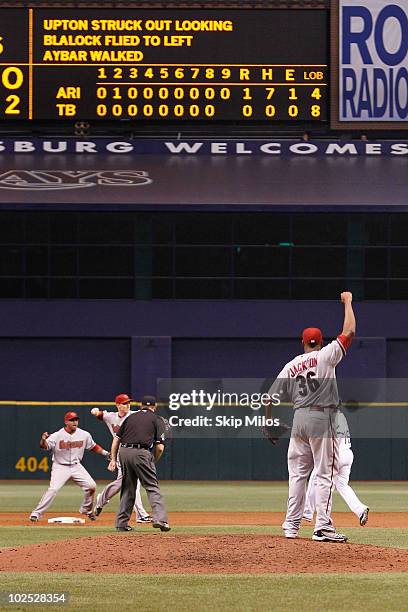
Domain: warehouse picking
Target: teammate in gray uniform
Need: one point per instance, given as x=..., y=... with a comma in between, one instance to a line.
x=113, y=420
x=341, y=479
x=309, y=381
x=141, y=438
x=68, y=446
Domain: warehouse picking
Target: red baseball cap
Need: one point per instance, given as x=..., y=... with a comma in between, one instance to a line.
x=312, y=336
x=122, y=398
x=70, y=416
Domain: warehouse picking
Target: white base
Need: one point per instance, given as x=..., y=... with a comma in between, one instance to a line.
x=66, y=520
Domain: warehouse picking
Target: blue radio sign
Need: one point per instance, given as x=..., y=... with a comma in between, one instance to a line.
x=373, y=61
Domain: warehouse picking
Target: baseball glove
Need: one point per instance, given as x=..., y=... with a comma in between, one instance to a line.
x=274, y=434
x=166, y=429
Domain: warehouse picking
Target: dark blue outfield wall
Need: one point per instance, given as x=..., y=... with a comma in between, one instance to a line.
x=88, y=351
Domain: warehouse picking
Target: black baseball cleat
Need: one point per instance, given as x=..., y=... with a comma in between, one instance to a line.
x=364, y=517
x=144, y=519
x=329, y=536
x=98, y=508
x=90, y=515
x=34, y=519
x=161, y=525
x=127, y=528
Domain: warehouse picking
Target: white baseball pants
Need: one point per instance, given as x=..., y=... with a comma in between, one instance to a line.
x=114, y=487
x=313, y=443
x=60, y=474
x=341, y=482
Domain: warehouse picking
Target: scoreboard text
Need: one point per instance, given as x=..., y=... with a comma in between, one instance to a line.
x=170, y=64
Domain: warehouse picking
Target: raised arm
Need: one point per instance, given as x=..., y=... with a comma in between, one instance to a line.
x=97, y=413
x=43, y=440
x=349, y=325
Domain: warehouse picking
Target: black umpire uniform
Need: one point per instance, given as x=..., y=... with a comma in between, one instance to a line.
x=141, y=438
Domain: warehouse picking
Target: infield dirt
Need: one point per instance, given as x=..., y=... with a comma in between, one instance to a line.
x=107, y=519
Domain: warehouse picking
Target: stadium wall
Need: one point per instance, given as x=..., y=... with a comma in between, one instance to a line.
x=88, y=351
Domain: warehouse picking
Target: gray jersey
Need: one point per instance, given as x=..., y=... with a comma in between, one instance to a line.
x=310, y=378
x=113, y=421
x=342, y=431
x=68, y=449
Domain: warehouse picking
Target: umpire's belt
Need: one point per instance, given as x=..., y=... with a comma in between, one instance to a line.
x=146, y=446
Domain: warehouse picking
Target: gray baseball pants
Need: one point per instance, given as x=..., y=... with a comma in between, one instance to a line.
x=313, y=444
x=138, y=463
x=341, y=482
x=60, y=474
x=114, y=487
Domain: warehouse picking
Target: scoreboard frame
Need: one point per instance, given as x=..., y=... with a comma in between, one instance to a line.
x=288, y=74
x=370, y=93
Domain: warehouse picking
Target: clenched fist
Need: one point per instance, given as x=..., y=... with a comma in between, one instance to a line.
x=112, y=465
x=95, y=411
x=346, y=296
x=45, y=435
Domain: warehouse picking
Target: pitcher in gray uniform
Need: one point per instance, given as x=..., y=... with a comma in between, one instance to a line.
x=309, y=382
x=141, y=440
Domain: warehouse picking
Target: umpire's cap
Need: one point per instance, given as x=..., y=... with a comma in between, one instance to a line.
x=122, y=398
x=148, y=400
x=312, y=336
x=70, y=416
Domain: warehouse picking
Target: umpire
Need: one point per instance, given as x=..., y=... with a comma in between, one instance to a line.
x=141, y=440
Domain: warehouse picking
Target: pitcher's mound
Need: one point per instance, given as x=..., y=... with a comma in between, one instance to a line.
x=254, y=554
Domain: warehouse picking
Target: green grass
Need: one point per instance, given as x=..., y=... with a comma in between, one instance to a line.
x=209, y=496
x=222, y=497
x=278, y=592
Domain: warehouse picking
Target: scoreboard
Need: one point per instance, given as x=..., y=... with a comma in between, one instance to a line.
x=163, y=64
